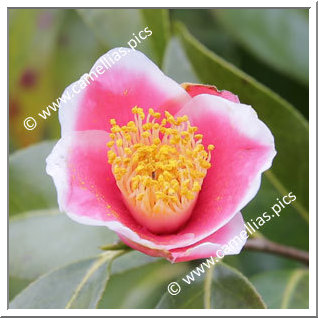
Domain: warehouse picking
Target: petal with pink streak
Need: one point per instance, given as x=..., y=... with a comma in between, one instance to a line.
x=244, y=148
x=131, y=79
x=88, y=193
x=197, y=89
x=225, y=241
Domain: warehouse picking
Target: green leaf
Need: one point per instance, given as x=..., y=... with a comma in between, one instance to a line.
x=76, y=51
x=279, y=37
x=159, y=23
x=175, y=55
x=30, y=188
x=78, y=285
x=131, y=260
x=222, y=288
x=117, y=27
x=143, y=286
x=290, y=129
x=278, y=228
x=16, y=285
x=284, y=289
x=41, y=241
x=251, y=263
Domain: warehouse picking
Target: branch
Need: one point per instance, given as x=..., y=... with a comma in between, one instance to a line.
x=264, y=245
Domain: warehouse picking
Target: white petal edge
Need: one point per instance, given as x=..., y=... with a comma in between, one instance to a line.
x=135, y=62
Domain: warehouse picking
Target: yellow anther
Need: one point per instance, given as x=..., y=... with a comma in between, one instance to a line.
x=198, y=136
x=127, y=151
x=111, y=156
x=119, y=142
x=145, y=134
x=199, y=147
x=211, y=147
x=115, y=129
x=151, y=111
x=192, y=129
x=110, y=144
x=196, y=187
x=164, y=122
x=112, y=121
x=147, y=126
x=140, y=196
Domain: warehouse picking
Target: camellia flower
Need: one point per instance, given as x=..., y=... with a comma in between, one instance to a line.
x=168, y=167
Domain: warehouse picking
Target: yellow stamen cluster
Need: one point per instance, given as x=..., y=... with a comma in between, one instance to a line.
x=158, y=164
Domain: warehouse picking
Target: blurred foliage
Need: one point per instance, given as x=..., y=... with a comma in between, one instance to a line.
x=239, y=50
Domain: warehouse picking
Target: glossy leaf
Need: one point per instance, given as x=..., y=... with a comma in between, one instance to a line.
x=158, y=21
x=284, y=289
x=279, y=37
x=141, y=287
x=121, y=27
x=278, y=228
x=30, y=188
x=16, y=285
x=221, y=287
x=41, y=241
x=78, y=285
x=176, y=64
x=290, y=129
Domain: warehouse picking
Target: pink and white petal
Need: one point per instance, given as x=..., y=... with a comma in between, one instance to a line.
x=197, y=89
x=227, y=235
x=131, y=80
x=88, y=193
x=244, y=148
x=82, y=176
x=225, y=241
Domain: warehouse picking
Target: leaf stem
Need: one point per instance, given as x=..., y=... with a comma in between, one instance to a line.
x=264, y=245
x=115, y=246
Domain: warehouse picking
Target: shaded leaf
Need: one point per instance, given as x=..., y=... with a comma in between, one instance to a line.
x=278, y=228
x=250, y=263
x=78, y=285
x=174, y=57
x=118, y=28
x=222, y=287
x=284, y=288
x=277, y=36
x=30, y=188
x=16, y=285
x=143, y=286
x=159, y=23
x=41, y=241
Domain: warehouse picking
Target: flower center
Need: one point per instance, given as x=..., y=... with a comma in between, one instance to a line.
x=159, y=167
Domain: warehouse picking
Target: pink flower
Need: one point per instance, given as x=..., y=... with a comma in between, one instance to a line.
x=165, y=189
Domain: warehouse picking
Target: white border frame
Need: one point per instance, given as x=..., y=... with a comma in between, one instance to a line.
x=312, y=165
